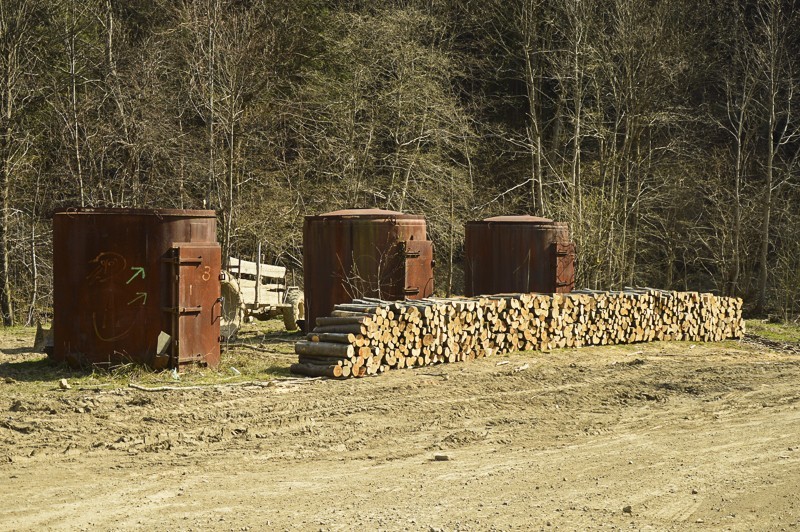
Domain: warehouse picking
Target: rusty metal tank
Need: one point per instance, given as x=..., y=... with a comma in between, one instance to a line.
x=364, y=253
x=518, y=254
x=135, y=285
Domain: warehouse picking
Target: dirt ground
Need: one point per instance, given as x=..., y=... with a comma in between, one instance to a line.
x=652, y=436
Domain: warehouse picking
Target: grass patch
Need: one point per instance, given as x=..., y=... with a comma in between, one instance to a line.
x=262, y=351
x=779, y=332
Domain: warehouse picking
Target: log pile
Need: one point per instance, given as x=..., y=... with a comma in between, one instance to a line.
x=370, y=336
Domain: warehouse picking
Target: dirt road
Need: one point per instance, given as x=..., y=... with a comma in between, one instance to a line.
x=658, y=436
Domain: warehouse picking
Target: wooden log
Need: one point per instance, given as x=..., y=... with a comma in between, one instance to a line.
x=323, y=361
x=350, y=314
x=342, y=329
x=334, y=338
x=373, y=301
x=367, y=309
x=324, y=349
x=329, y=321
x=313, y=370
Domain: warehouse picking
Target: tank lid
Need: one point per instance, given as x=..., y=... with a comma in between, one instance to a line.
x=369, y=214
x=519, y=219
x=137, y=212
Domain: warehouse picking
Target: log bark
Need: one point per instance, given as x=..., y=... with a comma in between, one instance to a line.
x=324, y=349
x=313, y=370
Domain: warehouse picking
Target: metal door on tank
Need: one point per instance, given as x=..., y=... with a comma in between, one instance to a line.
x=418, y=275
x=564, y=266
x=196, y=303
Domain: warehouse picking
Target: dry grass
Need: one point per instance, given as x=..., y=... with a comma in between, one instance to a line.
x=262, y=351
x=779, y=332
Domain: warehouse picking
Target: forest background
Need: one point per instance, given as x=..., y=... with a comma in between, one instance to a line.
x=666, y=132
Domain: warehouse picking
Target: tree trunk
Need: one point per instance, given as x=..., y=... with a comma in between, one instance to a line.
x=72, y=50
x=34, y=256
x=451, y=249
x=6, y=308
x=772, y=122
x=763, y=272
x=733, y=285
x=532, y=77
x=212, y=10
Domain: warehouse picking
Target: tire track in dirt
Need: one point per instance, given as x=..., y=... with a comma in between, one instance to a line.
x=239, y=412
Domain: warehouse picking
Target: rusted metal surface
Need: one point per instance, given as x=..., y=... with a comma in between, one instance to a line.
x=364, y=253
x=114, y=287
x=518, y=254
x=197, y=308
x=418, y=268
x=563, y=256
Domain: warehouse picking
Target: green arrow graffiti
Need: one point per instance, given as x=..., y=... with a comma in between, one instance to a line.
x=139, y=295
x=136, y=271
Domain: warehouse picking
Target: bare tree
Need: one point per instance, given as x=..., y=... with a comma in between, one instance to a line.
x=769, y=44
x=18, y=61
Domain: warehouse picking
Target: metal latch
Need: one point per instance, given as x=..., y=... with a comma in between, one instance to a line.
x=563, y=249
x=180, y=261
x=194, y=357
x=183, y=310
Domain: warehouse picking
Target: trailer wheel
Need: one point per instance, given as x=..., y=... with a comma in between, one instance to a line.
x=294, y=309
x=232, y=308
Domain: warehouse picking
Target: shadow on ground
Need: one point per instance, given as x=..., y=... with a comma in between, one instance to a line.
x=38, y=370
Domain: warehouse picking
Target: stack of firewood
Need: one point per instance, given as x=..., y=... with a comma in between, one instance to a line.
x=369, y=336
